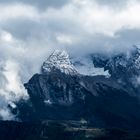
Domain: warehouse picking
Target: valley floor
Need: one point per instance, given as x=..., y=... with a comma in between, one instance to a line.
x=64, y=130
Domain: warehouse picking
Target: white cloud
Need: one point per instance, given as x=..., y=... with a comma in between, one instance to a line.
x=14, y=85
x=64, y=39
x=89, y=15
x=104, y=19
x=13, y=11
x=6, y=114
x=6, y=37
x=11, y=88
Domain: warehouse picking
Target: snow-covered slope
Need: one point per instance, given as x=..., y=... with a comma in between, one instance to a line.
x=85, y=66
x=59, y=60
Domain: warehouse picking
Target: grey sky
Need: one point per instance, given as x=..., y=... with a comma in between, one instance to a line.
x=70, y=23
x=67, y=24
x=41, y=4
x=112, y=2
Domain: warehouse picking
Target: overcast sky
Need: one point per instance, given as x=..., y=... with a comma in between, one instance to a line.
x=31, y=29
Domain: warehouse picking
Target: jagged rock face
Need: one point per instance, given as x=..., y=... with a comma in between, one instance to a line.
x=57, y=88
x=56, y=96
x=59, y=60
x=121, y=66
x=99, y=100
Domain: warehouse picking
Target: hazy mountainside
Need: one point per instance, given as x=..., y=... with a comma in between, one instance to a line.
x=60, y=92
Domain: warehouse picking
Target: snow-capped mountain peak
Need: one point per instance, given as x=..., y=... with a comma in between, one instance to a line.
x=59, y=60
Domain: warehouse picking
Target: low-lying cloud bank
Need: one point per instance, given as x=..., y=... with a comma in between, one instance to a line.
x=11, y=88
x=30, y=30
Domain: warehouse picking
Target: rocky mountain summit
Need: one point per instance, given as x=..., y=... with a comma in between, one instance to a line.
x=121, y=65
x=59, y=61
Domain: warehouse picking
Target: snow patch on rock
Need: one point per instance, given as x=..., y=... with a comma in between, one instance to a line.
x=59, y=60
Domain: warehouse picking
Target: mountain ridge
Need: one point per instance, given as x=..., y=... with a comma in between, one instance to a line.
x=102, y=101
x=59, y=60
